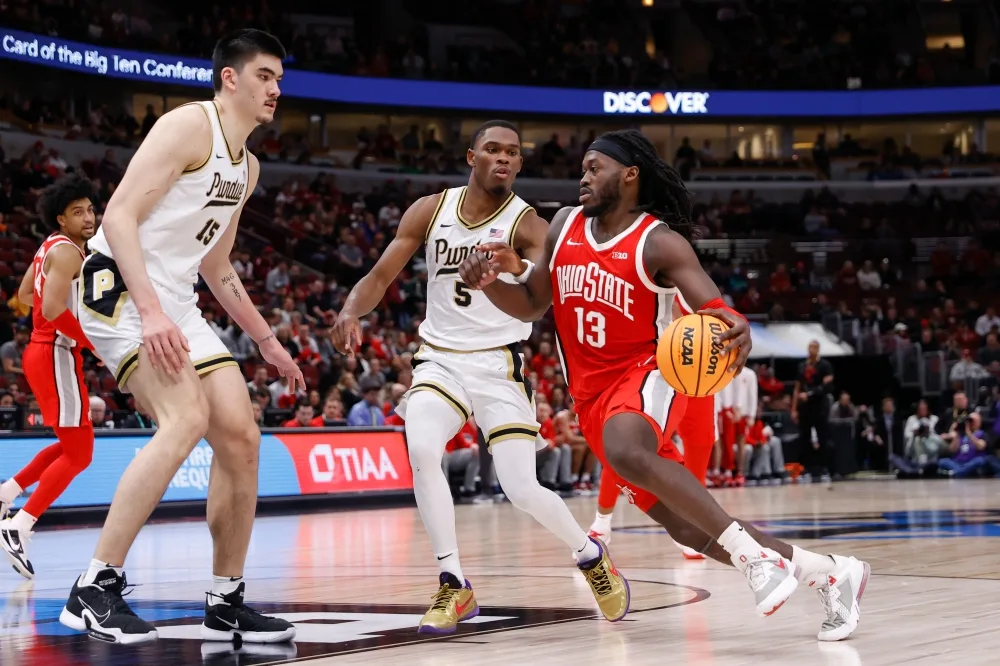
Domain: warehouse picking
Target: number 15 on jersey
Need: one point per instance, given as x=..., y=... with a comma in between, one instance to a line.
x=590, y=327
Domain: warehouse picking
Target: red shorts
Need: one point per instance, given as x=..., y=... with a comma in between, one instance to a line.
x=741, y=427
x=642, y=391
x=55, y=375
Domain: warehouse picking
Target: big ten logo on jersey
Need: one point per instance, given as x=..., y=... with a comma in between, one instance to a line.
x=224, y=192
x=594, y=285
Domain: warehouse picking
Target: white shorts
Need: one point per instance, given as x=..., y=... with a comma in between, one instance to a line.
x=111, y=322
x=489, y=384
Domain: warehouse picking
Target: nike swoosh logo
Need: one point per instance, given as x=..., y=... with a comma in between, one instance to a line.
x=569, y=242
x=459, y=610
x=219, y=157
x=234, y=625
x=7, y=537
x=443, y=557
x=445, y=226
x=101, y=619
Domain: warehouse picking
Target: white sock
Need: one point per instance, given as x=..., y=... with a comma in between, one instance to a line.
x=23, y=522
x=223, y=585
x=737, y=540
x=602, y=523
x=430, y=423
x=10, y=491
x=96, y=567
x=808, y=563
x=449, y=563
x=590, y=551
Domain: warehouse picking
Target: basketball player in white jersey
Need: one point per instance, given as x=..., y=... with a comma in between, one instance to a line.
x=470, y=362
x=175, y=216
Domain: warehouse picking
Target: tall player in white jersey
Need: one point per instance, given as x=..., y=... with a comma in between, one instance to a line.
x=470, y=362
x=175, y=216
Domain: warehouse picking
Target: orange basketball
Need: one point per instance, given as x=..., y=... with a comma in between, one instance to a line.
x=690, y=358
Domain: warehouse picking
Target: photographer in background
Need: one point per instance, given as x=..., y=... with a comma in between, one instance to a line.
x=969, y=455
x=922, y=445
x=959, y=410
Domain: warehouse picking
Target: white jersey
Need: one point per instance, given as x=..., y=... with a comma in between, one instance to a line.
x=192, y=216
x=459, y=318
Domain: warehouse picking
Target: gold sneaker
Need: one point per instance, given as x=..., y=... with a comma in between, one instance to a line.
x=452, y=604
x=610, y=587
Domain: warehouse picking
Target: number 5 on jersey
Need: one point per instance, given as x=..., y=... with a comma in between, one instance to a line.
x=593, y=322
x=207, y=232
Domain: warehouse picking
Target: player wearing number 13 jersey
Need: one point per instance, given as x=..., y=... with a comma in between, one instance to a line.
x=610, y=272
x=470, y=363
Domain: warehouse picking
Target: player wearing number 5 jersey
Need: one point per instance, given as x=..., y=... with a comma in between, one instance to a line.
x=610, y=272
x=53, y=364
x=173, y=218
x=470, y=363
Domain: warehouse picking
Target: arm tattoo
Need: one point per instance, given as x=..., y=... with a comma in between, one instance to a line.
x=231, y=281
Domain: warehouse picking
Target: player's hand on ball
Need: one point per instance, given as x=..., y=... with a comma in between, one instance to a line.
x=274, y=353
x=166, y=345
x=487, y=262
x=738, y=337
x=346, y=334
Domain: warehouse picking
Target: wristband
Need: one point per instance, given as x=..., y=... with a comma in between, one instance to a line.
x=265, y=339
x=69, y=326
x=719, y=304
x=523, y=277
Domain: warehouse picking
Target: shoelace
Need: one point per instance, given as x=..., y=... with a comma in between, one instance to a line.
x=828, y=596
x=757, y=572
x=443, y=597
x=599, y=580
x=114, y=595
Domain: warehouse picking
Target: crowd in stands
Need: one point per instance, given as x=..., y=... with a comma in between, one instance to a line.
x=756, y=44
x=315, y=241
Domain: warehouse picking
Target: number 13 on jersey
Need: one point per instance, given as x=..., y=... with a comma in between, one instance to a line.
x=590, y=327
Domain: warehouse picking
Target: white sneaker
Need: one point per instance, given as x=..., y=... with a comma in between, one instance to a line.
x=771, y=577
x=840, y=595
x=14, y=544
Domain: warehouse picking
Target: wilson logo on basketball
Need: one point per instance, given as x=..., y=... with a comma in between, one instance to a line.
x=717, y=347
x=687, y=346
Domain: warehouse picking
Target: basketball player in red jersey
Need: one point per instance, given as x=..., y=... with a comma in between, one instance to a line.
x=53, y=364
x=698, y=432
x=613, y=268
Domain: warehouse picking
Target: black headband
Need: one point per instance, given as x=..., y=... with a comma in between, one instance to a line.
x=614, y=151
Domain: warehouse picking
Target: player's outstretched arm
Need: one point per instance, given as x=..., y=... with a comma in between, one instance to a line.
x=529, y=300
x=179, y=140
x=369, y=291
x=670, y=255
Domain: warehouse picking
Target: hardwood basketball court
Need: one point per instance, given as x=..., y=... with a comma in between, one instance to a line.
x=356, y=583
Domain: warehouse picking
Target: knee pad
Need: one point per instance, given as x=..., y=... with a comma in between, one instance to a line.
x=430, y=423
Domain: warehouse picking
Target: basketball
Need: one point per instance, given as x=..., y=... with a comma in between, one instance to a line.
x=689, y=355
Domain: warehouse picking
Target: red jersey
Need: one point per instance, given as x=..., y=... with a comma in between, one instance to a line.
x=44, y=330
x=609, y=313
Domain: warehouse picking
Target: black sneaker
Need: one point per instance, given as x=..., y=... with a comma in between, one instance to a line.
x=99, y=609
x=13, y=544
x=227, y=616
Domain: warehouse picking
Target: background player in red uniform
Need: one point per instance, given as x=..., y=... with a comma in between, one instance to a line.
x=53, y=364
x=612, y=267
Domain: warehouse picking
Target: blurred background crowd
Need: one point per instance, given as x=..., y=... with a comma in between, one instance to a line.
x=885, y=235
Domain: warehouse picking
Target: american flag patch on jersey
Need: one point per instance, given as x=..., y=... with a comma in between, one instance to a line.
x=496, y=233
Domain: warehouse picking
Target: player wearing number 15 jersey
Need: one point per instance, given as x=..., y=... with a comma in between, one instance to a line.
x=53, y=364
x=173, y=218
x=470, y=363
x=610, y=272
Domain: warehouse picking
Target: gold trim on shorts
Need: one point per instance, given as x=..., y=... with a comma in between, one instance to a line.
x=213, y=363
x=128, y=365
x=511, y=431
x=454, y=402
